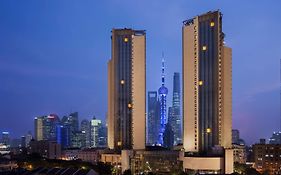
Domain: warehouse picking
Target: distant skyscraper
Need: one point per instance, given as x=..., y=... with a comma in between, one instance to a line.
x=6, y=138
x=235, y=136
x=63, y=136
x=275, y=138
x=126, y=90
x=50, y=123
x=95, y=127
x=38, y=128
x=162, y=91
x=73, y=122
x=207, y=95
x=102, y=136
x=28, y=138
x=85, y=127
x=174, y=112
x=23, y=141
x=78, y=139
x=153, y=118
x=168, y=138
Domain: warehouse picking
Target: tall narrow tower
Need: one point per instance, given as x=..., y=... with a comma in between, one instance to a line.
x=207, y=95
x=126, y=90
x=174, y=117
x=162, y=91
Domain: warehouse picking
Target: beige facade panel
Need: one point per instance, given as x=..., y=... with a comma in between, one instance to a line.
x=203, y=163
x=227, y=98
x=138, y=91
x=190, y=95
x=110, y=112
x=229, y=161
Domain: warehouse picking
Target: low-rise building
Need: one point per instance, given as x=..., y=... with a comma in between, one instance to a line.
x=267, y=158
x=239, y=153
x=157, y=161
x=48, y=149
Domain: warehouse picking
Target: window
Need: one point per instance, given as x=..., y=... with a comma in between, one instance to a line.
x=212, y=24
x=200, y=83
x=129, y=105
x=126, y=39
x=204, y=48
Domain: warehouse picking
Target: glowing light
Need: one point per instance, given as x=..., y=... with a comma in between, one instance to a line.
x=200, y=83
x=204, y=48
x=126, y=39
x=119, y=143
x=122, y=82
x=212, y=24
x=209, y=130
x=129, y=105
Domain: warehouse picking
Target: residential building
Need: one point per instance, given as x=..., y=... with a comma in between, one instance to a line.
x=267, y=158
x=239, y=153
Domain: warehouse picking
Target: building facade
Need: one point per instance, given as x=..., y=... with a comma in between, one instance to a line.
x=207, y=95
x=174, y=112
x=153, y=118
x=95, y=127
x=85, y=127
x=275, y=138
x=126, y=90
x=5, y=138
x=38, y=127
x=267, y=158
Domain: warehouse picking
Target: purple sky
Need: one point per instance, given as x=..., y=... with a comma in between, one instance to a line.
x=53, y=56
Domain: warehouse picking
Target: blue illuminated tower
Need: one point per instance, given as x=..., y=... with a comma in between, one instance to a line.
x=162, y=91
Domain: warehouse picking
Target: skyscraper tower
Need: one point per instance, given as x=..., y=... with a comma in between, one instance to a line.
x=126, y=90
x=95, y=126
x=85, y=128
x=207, y=95
x=153, y=118
x=162, y=91
x=174, y=114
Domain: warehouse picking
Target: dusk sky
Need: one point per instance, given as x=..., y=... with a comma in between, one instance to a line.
x=54, y=54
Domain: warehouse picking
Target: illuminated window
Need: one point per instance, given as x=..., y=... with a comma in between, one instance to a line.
x=204, y=48
x=208, y=130
x=126, y=39
x=212, y=24
x=122, y=81
x=200, y=83
x=129, y=105
x=119, y=143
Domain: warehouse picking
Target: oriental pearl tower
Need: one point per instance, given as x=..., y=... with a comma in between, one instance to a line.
x=162, y=91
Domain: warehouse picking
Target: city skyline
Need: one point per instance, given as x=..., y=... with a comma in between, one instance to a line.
x=65, y=85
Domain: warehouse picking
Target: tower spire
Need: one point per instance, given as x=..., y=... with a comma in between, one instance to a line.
x=163, y=69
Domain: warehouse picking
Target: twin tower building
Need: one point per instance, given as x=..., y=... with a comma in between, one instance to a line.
x=206, y=93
